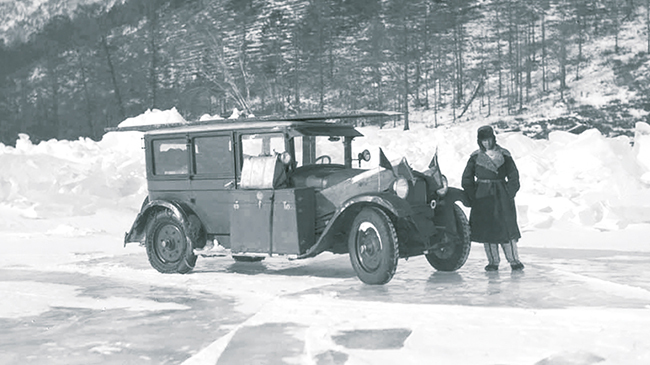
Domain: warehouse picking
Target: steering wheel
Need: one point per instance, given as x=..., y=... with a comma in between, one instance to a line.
x=323, y=158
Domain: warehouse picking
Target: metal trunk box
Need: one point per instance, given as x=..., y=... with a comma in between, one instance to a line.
x=250, y=220
x=272, y=221
x=293, y=220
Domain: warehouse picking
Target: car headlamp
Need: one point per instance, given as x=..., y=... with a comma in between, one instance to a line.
x=401, y=187
x=445, y=186
x=285, y=158
x=365, y=155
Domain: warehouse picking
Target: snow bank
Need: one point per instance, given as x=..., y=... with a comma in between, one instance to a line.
x=154, y=117
x=585, y=179
x=69, y=178
x=642, y=149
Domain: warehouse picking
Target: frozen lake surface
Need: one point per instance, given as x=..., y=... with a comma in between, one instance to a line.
x=81, y=304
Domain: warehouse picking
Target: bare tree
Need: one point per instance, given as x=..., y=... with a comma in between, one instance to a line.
x=112, y=72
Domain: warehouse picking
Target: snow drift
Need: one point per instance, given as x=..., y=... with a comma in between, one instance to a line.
x=585, y=179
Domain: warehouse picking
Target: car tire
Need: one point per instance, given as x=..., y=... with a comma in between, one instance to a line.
x=373, y=246
x=168, y=247
x=456, y=253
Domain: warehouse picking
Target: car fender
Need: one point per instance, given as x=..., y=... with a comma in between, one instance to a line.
x=389, y=202
x=455, y=194
x=137, y=231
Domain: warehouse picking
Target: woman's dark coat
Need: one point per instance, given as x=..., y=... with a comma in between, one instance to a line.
x=491, y=190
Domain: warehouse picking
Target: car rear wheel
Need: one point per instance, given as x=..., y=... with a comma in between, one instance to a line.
x=373, y=246
x=168, y=247
x=451, y=255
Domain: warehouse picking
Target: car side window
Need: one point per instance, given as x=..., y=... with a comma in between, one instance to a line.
x=170, y=157
x=265, y=144
x=213, y=155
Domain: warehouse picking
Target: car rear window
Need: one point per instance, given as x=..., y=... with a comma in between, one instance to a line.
x=170, y=157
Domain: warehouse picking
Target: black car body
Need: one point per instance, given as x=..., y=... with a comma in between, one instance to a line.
x=264, y=187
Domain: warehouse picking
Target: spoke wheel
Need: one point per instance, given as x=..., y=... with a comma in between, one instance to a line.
x=373, y=246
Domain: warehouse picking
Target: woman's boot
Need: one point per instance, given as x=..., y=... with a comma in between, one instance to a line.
x=492, y=253
x=512, y=255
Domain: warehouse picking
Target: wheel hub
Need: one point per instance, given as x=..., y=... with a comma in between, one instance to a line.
x=369, y=246
x=445, y=249
x=168, y=243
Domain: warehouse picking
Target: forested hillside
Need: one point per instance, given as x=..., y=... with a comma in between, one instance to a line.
x=72, y=68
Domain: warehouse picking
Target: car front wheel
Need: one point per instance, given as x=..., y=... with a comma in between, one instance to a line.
x=168, y=247
x=373, y=246
x=451, y=255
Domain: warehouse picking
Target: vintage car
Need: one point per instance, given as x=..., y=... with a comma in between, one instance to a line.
x=288, y=186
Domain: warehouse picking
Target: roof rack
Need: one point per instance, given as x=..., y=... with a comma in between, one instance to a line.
x=271, y=118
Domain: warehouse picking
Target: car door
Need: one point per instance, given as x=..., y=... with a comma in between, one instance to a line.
x=212, y=177
x=252, y=203
x=168, y=169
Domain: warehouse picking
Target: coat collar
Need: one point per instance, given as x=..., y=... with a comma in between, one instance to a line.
x=489, y=163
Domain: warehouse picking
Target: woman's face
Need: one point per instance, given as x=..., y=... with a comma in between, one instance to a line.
x=487, y=143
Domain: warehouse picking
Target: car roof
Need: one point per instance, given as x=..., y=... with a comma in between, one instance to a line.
x=318, y=124
x=301, y=127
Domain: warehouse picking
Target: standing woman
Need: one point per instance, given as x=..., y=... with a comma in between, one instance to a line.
x=491, y=181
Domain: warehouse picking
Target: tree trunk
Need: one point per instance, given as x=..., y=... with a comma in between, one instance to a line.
x=511, y=60
x=530, y=41
x=458, y=48
x=406, y=79
x=562, y=65
x=153, y=23
x=243, y=64
x=581, y=27
x=321, y=54
x=520, y=73
x=88, y=102
x=499, y=56
x=54, y=87
x=111, y=70
x=296, y=75
x=544, y=87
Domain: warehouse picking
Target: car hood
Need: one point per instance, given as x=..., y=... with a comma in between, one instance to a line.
x=321, y=177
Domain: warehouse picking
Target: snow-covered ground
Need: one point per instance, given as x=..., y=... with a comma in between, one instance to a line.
x=584, y=209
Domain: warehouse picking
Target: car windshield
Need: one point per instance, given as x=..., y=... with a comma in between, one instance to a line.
x=325, y=146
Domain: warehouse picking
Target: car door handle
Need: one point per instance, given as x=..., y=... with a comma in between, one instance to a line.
x=230, y=184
